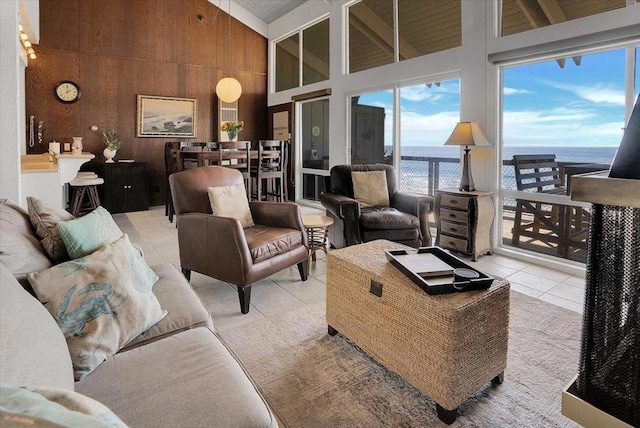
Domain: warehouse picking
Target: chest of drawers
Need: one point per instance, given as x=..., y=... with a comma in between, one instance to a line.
x=464, y=221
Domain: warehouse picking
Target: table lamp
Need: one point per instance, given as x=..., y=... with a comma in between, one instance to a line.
x=467, y=134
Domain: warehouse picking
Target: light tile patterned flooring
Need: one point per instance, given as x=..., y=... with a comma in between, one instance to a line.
x=284, y=291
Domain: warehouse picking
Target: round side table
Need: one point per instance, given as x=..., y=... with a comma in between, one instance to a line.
x=317, y=230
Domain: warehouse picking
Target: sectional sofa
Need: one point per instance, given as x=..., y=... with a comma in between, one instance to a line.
x=176, y=374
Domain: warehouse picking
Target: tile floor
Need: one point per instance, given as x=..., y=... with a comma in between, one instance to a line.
x=284, y=291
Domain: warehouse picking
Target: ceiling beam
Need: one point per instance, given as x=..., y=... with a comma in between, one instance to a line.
x=555, y=15
x=310, y=59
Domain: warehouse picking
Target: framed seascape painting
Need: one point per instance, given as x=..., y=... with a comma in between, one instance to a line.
x=166, y=116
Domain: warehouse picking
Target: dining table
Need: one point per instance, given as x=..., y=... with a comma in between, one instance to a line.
x=205, y=156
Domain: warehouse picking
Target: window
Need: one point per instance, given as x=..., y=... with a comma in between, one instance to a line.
x=574, y=110
x=428, y=114
x=519, y=16
x=423, y=27
x=314, y=63
x=371, y=127
x=315, y=56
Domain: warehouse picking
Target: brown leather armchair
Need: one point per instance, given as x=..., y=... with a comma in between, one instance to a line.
x=220, y=248
x=406, y=220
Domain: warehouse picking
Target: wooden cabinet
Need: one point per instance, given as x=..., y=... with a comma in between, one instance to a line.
x=464, y=221
x=126, y=186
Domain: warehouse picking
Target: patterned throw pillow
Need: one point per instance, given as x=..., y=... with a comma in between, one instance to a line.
x=100, y=302
x=370, y=188
x=47, y=406
x=45, y=219
x=231, y=201
x=84, y=235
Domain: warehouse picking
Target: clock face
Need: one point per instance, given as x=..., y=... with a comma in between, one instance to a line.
x=68, y=92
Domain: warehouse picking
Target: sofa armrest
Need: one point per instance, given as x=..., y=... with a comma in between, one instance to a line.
x=211, y=245
x=420, y=206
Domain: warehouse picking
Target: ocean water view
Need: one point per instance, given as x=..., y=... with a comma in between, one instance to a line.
x=563, y=154
x=414, y=174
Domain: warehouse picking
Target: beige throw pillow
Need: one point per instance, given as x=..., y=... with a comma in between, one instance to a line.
x=231, y=201
x=45, y=219
x=101, y=302
x=370, y=188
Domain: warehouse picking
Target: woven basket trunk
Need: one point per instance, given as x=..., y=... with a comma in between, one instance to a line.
x=446, y=345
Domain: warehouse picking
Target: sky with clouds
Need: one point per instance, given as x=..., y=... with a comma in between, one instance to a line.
x=544, y=105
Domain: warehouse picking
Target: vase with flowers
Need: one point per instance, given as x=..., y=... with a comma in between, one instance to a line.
x=113, y=143
x=232, y=128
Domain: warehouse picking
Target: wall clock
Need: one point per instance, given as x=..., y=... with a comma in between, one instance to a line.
x=67, y=91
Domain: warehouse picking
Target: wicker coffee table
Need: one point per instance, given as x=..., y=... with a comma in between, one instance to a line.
x=447, y=345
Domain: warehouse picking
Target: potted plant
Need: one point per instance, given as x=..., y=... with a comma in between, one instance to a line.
x=232, y=128
x=113, y=143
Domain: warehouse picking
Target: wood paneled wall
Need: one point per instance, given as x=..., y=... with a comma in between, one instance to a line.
x=118, y=49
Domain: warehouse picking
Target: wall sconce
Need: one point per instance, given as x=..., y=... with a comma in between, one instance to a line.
x=467, y=134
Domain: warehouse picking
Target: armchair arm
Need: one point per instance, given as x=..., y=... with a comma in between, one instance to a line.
x=420, y=206
x=278, y=214
x=214, y=246
x=347, y=210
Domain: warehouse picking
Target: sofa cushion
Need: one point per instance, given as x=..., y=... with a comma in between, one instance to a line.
x=370, y=188
x=20, y=250
x=45, y=218
x=32, y=348
x=188, y=379
x=266, y=242
x=49, y=407
x=84, y=235
x=387, y=218
x=231, y=201
x=184, y=308
x=100, y=302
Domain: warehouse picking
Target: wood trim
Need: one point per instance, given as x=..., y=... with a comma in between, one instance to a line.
x=310, y=95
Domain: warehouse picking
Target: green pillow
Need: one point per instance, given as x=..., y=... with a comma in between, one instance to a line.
x=52, y=407
x=84, y=235
x=101, y=302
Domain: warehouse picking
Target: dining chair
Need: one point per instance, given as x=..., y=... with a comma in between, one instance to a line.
x=170, y=166
x=539, y=174
x=237, y=155
x=269, y=171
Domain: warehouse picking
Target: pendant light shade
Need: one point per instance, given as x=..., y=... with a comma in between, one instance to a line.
x=228, y=89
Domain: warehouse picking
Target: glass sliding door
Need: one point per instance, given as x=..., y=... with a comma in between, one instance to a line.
x=559, y=118
x=313, y=146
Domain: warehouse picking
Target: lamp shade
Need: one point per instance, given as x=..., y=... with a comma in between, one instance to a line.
x=228, y=89
x=467, y=134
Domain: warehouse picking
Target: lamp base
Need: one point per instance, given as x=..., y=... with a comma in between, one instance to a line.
x=466, y=182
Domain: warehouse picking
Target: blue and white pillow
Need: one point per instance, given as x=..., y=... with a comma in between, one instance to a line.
x=101, y=302
x=84, y=235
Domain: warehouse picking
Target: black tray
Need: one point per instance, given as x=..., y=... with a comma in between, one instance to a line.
x=443, y=284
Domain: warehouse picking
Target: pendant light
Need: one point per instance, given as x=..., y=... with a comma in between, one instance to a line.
x=229, y=89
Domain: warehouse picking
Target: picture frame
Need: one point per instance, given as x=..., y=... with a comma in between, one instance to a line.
x=166, y=116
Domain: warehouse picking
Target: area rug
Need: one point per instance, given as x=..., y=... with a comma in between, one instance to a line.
x=311, y=379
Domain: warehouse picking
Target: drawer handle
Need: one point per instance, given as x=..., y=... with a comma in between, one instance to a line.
x=452, y=243
x=453, y=229
x=452, y=215
x=453, y=201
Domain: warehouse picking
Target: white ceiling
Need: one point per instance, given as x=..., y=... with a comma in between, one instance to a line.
x=267, y=10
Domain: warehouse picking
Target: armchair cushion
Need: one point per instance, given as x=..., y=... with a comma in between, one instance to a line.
x=387, y=218
x=266, y=242
x=231, y=201
x=370, y=188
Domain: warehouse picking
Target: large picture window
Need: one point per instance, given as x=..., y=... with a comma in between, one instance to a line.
x=559, y=118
